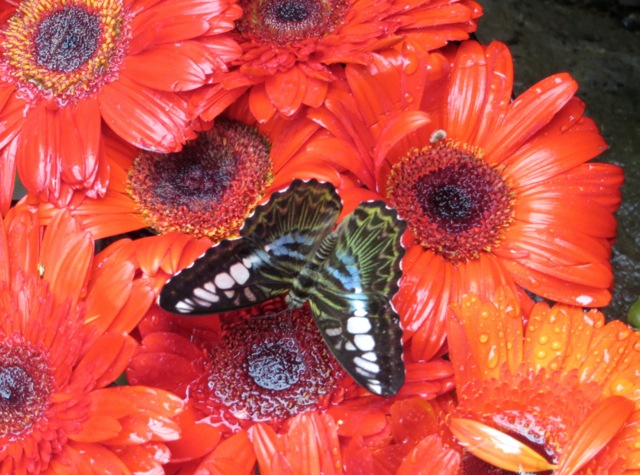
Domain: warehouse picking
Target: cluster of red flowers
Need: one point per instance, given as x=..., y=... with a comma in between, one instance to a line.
x=180, y=117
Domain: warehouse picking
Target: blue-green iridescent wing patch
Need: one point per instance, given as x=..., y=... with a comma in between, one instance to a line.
x=351, y=297
x=274, y=244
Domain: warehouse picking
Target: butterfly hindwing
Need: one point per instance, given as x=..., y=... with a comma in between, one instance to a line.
x=351, y=297
x=231, y=275
x=364, y=334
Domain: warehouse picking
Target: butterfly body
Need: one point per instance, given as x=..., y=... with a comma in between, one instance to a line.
x=348, y=275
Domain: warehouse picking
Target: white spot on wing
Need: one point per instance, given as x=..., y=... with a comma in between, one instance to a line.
x=249, y=294
x=374, y=388
x=223, y=281
x=247, y=262
x=229, y=293
x=364, y=342
x=349, y=346
x=334, y=331
x=183, y=307
x=205, y=295
x=361, y=312
x=357, y=325
x=239, y=273
x=370, y=356
x=203, y=303
x=210, y=287
x=364, y=364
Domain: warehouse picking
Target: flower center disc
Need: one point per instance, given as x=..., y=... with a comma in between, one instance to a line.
x=285, y=22
x=207, y=189
x=454, y=202
x=68, y=50
x=267, y=368
x=25, y=387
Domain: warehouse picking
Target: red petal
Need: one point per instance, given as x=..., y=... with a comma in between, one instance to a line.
x=398, y=127
x=466, y=91
x=149, y=119
x=79, y=142
x=286, y=90
x=602, y=424
x=441, y=460
x=12, y=116
x=196, y=441
x=498, y=91
x=497, y=448
x=7, y=177
x=260, y=103
x=316, y=92
x=66, y=261
x=528, y=114
x=169, y=67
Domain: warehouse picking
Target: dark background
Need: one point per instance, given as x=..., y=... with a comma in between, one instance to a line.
x=598, y=43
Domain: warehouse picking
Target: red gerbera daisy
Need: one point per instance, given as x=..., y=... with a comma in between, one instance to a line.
x=265, y=373
x=67, y=66
x=558, y=395
x=208, y=188
x=290, y=46
x=493, y=192
x=64, y=318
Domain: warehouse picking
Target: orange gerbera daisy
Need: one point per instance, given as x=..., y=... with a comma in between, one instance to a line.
x=67, y=66
x=265, y=373
x=64, y=322
x=208, y=188
x=493, y=192
x=559, y=395
x=291, y=46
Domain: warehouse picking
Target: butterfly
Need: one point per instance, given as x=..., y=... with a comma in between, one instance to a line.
x=348, y=275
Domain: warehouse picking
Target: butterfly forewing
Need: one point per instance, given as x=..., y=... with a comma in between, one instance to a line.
x=276, y=240
x=234, y=274
x=351, y=297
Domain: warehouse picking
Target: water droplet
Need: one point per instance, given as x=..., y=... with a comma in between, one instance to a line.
x=541, y=354
x=553, y=366
x=509, y=345
x=484, y=338
x=556, y=345
x=532, y=328
x=623, y=335
x=543, y=339
x=492, y=361
x=557, y=329
x=584, y=300
x=484, y=314
x=636, y=346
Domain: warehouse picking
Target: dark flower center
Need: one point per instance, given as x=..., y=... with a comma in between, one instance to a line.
x=285, y=22
x=291, y=11
x=209, y=187
x=267, y=368
x=25, y=386
x=67, y=39
x=69, y=51
x=275, y=363
x=453, y=201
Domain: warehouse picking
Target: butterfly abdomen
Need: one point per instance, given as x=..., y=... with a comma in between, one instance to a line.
x=308, y=276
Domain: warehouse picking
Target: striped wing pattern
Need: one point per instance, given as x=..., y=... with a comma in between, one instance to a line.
x=274, y=244
x=350, y=299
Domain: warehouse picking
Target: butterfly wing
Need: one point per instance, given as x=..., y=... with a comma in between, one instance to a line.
x=351, y=299
x=231, y=275
x=274, y=244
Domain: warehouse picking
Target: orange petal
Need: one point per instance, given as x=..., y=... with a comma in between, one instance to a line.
x=497, y=448
x=602, y=424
